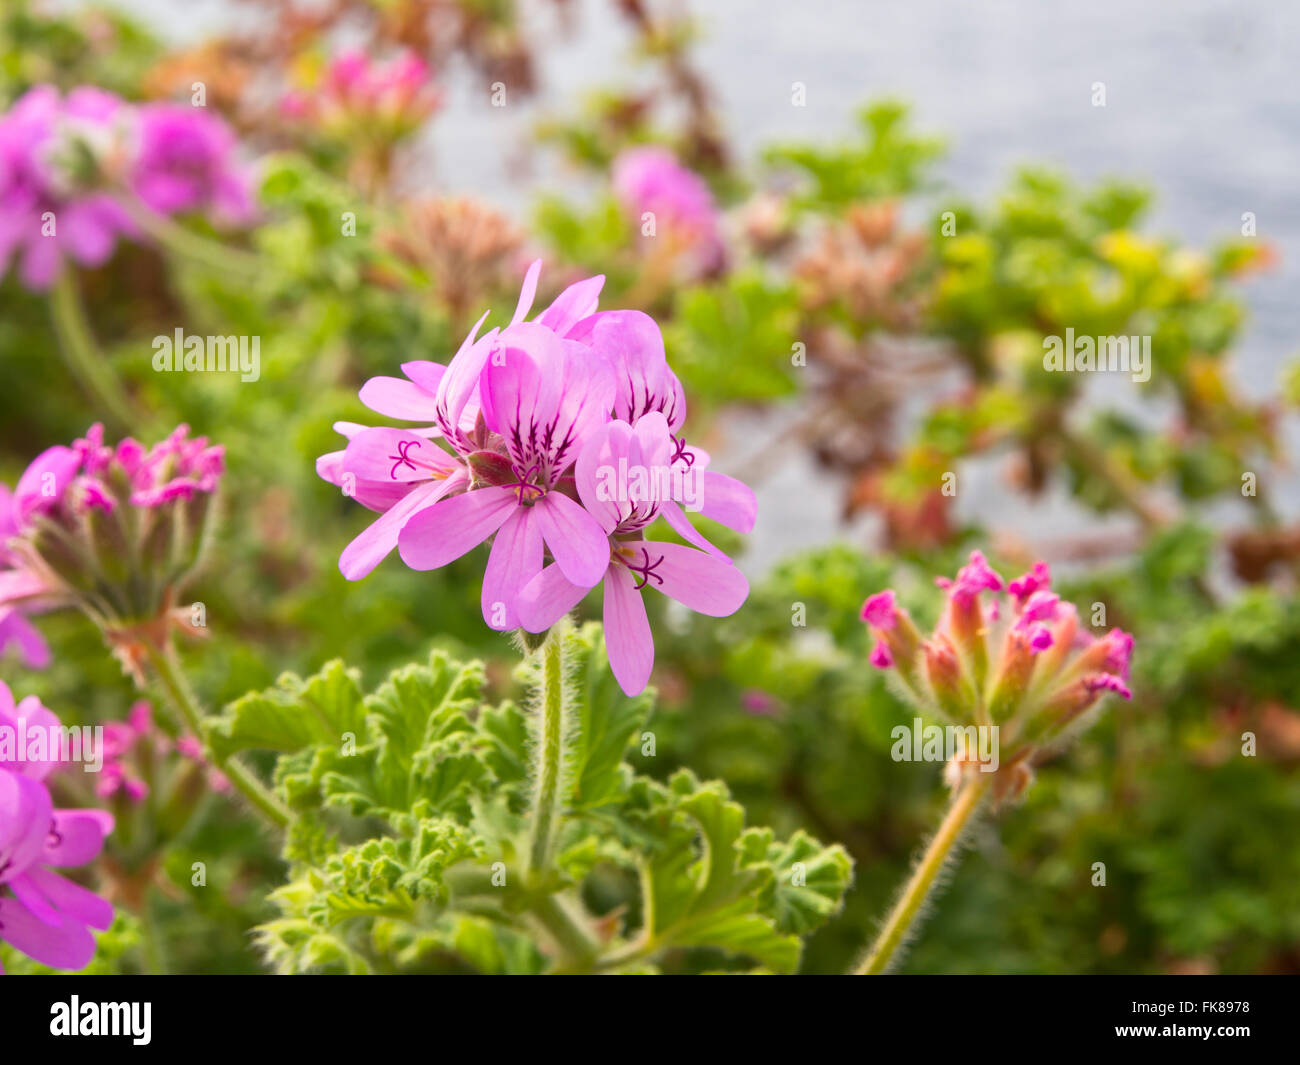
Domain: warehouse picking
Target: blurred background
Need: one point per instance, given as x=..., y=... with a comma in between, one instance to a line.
x=903, y=201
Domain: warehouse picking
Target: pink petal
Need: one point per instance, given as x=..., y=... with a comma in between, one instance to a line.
x=576, y=540
x=70, y=899
x=521, y=388
x=25, y=815
x=681, y=525
x=443, y=533
x=571, y=306
x=528, y=292
x=67, y=946
x=628, y=641
x=547, y=598
x=77, y=836
x=729, y=501
x=601, y=452
x=428, y=375
x=380, y=455
x=698, y=580
x=55, y=466
x=16, y=629
x=515, y=560
x=396, y=397
x=40, y=263
x=373, y=545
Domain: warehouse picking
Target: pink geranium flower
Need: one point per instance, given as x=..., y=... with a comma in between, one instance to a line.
x=73, y=169
x=698, y=579
x=43, y=914
x=509, y=427
x=1017, y=660
x=47, y=212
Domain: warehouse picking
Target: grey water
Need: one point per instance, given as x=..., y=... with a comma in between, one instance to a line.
x=1200, y=103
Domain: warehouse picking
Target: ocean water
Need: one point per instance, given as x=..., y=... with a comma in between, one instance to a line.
x=1200, y=104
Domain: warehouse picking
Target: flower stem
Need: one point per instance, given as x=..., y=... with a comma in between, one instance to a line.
x=85, y=361
x=166, y=666
x=578, y=946
x=907, y=909
x=548, y=752
x=187, y=244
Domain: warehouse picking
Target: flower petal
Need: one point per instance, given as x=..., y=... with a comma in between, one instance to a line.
x=698, y=580
x=628, y=640
x=396, y=397
x=547, y=598
x=515, y=560
x=76, y=837
x=373, y=545
x=441, y=534
x=729, y=501
x=66, y=946
x=577, y=542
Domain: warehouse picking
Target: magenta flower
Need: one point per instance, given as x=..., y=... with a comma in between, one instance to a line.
x=50, y=212
x=505, y=453
x=543, y=400
x=42, y=914
x=651, y=180
x=400, y=473
x=25, y=588
x=130, y=743
x=73, y=167
x=1020, y=664
x=185, y=161
x=697, y=579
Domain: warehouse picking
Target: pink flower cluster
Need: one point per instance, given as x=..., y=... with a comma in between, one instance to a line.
x=357, y=91
x=43, y=914
x=63, y=484
x=179, y=467
x=686, y=219
x=127, y=742
x=1019, y=659
x=75, y=169
x=524, y=434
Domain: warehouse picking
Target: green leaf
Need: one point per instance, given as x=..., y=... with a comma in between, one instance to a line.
x=608, y=721
x=294, y=714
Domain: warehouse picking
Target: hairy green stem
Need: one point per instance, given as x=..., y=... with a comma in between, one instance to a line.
x=166, y=666
x=548, y=752
x=85, y=361
x=965, y=802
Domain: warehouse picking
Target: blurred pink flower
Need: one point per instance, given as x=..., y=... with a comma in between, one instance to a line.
x=651, y=180
x=186, y=161
x=71, y=167
x=42, y=914
x=51, y=207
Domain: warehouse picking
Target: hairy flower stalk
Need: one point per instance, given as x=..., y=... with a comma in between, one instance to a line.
x=87, y=363
x=548, y=750
x=165, y=665
x=903, y=917
x=1015, y=677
